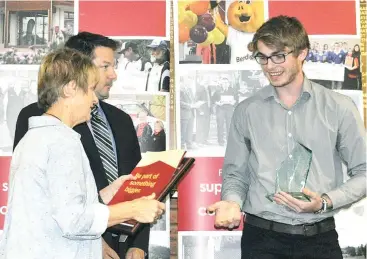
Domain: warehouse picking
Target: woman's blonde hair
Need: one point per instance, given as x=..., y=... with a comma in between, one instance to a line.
x=59, y=68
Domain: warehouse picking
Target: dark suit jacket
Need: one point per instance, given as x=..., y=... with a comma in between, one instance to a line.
x=127, y=148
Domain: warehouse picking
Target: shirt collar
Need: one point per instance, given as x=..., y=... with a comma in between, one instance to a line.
x=99, y=108
x=270, y=91
x=49, y=121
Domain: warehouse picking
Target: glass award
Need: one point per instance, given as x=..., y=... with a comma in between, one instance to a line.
x=291, y=176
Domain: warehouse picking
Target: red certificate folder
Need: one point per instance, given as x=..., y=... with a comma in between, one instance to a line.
x=157, y=172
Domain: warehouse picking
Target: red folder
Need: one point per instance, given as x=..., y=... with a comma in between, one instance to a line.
x=157, y=172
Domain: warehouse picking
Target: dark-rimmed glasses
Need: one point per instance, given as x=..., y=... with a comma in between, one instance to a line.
x=276, y=58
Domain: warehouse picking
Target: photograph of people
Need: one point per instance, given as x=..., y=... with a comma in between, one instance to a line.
x=142, y=66
x=207, y=101
x=159, y=74
x=143, y=131
x=31, y=34
x=334, y=64
x=352, y=74
x=18, y=88
x=149, y=115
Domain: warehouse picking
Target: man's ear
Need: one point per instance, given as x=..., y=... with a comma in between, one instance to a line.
x=69, y=90
x=303, y=54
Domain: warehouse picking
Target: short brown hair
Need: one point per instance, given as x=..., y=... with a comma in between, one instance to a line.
x=59, y=68
x=280, y=32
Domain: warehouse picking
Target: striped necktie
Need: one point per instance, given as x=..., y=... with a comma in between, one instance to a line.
x=102, y=138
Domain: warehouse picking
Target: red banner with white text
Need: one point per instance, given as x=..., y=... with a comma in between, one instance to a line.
x=200, y=188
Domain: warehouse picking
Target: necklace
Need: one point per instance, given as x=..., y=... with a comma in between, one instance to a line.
x=53, y=116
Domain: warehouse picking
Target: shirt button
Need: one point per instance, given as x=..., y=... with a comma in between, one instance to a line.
x=290, y=135
x=290, y=156
x=290, y=112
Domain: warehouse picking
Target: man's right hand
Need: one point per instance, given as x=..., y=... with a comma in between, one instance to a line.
x=227, y=214
x=147, y=209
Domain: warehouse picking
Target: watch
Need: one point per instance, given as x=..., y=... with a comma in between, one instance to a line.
x=324, y=206
x=327, y=198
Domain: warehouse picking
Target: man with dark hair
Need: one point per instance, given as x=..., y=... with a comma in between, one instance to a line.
x=122, y=153
x=265, y=129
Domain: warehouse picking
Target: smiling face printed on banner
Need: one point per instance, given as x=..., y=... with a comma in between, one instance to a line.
x=246, y=16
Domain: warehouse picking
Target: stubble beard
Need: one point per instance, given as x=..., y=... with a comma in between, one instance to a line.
x=290, y=74
x=104, y=93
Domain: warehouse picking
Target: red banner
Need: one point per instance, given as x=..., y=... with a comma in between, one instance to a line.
x=127, y=18
x=200, y=188
x=4, y=174
x=320, y=17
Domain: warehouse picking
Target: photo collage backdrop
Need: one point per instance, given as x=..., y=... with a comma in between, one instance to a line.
x=31, y=29
x=212, y=64
x=208, y=49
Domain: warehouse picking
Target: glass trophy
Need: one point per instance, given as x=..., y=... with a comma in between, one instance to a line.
x=292, y=174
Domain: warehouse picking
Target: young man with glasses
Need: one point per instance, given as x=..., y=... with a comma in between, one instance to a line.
x=264, y=130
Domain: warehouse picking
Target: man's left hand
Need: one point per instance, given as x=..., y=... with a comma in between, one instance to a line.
x=108, y=252
x=299, y=206
x=135, y=253
x=108, y=192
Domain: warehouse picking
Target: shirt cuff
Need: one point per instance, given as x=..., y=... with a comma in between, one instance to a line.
x=101, y=215
x=335, y=196
x=235, y=198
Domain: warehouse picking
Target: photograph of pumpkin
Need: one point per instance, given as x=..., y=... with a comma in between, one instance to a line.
x=217, y=31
